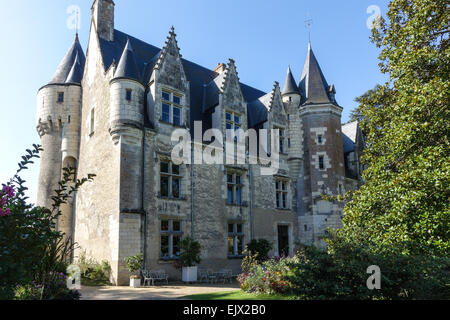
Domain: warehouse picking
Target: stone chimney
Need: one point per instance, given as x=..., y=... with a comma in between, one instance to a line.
x=103, y=17
x=221, y=67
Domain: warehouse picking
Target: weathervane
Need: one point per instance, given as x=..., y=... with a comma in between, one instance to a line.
x=308, y=24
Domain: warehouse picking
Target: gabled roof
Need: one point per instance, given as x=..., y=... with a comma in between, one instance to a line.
x=146, y=56
x=127, y=67
x=289, y=84
x=313, y=85
x=76, y=73
x=64, y=69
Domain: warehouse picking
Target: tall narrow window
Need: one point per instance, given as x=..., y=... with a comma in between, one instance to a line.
x=60, y=97
x=319, y=139
x=281, y=190
x=92, y=122
x=171, y=234
x=321, y=162
x=234, y=189
x=172, y=110
x=282, y=138
x=170, y=180
x=236, y=243
x=128, y=94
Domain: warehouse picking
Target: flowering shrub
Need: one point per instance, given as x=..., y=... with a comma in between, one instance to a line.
x=269, y=276
x=54, y=288
x=32, y=251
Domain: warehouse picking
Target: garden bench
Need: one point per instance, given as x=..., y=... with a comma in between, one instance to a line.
x=151, y=276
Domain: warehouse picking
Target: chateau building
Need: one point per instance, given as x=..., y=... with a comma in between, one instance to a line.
x=113, y=112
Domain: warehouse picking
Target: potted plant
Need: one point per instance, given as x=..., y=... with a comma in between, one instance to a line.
x=189, y=259
x=134, y=264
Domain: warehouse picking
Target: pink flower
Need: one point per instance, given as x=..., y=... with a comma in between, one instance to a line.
x=2, y=202
x=2, y=213
x=8, y=212
x=9, y=191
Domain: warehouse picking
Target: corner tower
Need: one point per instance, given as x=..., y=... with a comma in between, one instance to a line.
x=58, y=125
x=324, y=170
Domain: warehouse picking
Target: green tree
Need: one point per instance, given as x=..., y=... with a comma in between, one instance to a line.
x=404, y=204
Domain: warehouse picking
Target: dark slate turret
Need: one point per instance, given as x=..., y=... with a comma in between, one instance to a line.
x=313, y=85
x=127, y=67
x=64, y=69
x=289, y=85
x=76, y=73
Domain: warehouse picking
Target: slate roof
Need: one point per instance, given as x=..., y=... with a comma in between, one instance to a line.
x=289, y=84
x=127, y=67
x=63, y=73
x=349, y=134
x=313, y=85
x=146, y=56
x=76, y=72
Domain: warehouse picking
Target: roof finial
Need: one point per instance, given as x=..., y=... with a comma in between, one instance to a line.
x=77, y=23
x=308, y=24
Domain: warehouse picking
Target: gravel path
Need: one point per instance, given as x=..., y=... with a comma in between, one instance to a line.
x=159, y=292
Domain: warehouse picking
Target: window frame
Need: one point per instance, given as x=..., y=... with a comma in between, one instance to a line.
x=60, y=97
x=282, y=139
x=172, y=106
x=235, y=125
x=129, y=95
x=282, y=194
x=236, y=184
x=171, y=234
x=235, y=236
x=170, y=176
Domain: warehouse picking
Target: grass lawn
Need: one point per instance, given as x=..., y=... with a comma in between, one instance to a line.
x=237, y=295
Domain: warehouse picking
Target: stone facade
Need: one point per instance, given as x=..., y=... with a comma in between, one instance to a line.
x=118, y=125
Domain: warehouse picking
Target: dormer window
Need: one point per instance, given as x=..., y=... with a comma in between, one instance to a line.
x=233, y=122
x=60, y=97
x=128, y=94
x=172, y=110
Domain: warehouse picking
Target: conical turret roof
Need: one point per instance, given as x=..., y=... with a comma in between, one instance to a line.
x=289, y=84
x=64, y=69
x=312, y=84
x=127, y=67
x=76, y=73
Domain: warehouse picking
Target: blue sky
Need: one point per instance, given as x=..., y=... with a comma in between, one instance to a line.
x=263, y=37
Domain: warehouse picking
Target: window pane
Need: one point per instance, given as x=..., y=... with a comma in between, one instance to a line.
x=229, y=126
x=238, y=179
x=230, y=195
x=165, y=247
x=278, y=200
x=175, y=169
x=165, y=113
x=164, y=186
x=60, y=96
x=284, y=186
x=128, y=95
x=237, y=119
x=238, y=195
x=284, y=201
x=166, y=96
x=321, y=162
x=164, y=225
x=277, y=185
x=164, y=167
x=230, y=228
x=177, y=116
x=239, y=228
x=176, y=226
x=228, y=116
x=231, y=246
x=176, y=99
x=176, y=245
x=175, y=188
x=240, y=245
x=230, y=178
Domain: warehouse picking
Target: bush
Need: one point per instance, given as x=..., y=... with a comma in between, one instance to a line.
x=341, y=273
x=259, y=248
x=190, y=252
x=32, y=251
x=92, y=272
x=134, y=264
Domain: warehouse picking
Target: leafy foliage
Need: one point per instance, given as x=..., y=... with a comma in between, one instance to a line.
x=404, y=203
x=31, y=249
x=134, y=263
x=93, y=272
x=190, y=252
x=259, y=248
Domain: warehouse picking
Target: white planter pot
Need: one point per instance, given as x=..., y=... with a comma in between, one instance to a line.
x=189, y=274
x=135, y=283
